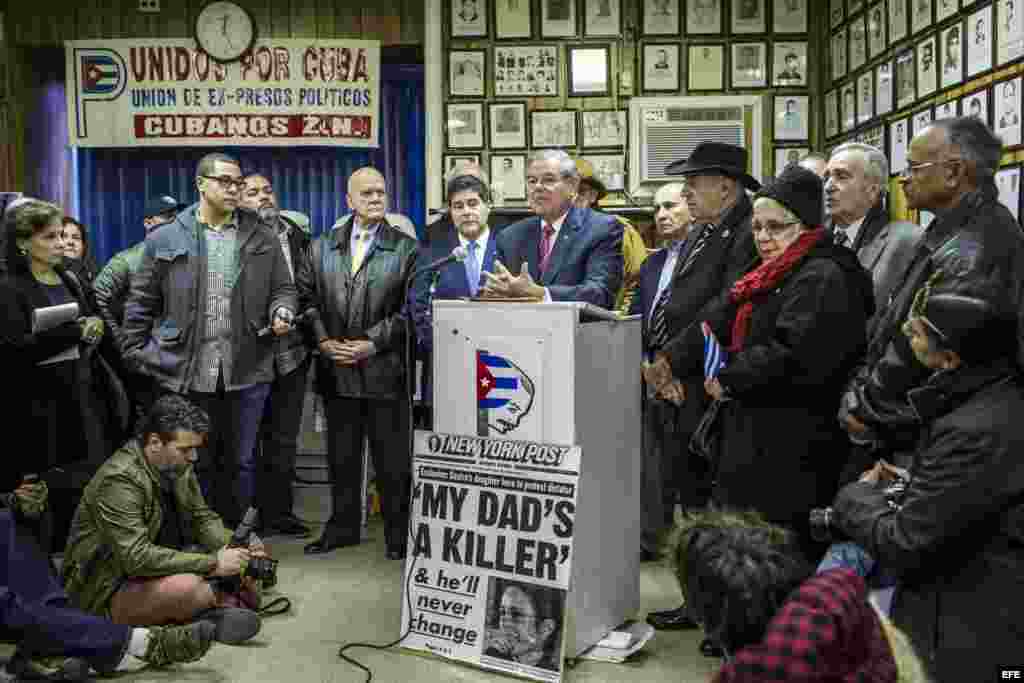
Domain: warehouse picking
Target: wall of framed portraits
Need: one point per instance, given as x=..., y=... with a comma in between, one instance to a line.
x=523, y=75
x=897, y=65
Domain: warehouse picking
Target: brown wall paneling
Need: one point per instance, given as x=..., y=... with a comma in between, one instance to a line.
x=303, y=15
x=382, y=20
x=348, y=20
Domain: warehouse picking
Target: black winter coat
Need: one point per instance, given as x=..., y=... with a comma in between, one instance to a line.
x=781, y=446
x=957, y=542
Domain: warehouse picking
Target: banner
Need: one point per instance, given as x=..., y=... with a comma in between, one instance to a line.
x=490, y=552
x=133, y=93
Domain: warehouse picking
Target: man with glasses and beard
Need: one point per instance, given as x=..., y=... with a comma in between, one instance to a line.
x=208, y=282
x=282, y=417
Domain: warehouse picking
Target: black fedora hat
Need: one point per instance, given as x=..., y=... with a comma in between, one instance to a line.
x=716, y=157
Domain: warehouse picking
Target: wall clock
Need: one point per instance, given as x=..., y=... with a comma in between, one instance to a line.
x=225, y=30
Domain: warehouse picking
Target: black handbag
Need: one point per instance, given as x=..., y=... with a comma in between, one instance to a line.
x=707, y=437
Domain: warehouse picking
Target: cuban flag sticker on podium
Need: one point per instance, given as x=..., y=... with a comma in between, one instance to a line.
x=714, y=355
x=504, y=394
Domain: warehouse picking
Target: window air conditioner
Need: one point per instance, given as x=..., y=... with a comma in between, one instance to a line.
x=666, y=129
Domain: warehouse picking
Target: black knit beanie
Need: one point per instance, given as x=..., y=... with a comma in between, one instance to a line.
x=799, y=190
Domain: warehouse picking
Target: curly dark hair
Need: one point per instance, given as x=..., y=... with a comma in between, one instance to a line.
x=173, y=413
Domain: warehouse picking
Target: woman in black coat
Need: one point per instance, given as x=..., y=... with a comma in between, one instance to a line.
x=793, y=326
x=72, y=411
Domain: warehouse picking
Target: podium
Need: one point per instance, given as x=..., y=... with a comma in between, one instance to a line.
x=551, y=373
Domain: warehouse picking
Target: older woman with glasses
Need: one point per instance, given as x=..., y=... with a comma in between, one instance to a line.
x=793, y=326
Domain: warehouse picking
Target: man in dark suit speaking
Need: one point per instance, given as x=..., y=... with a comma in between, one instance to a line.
x=563, y=253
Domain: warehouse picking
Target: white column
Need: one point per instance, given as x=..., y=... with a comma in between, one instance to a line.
x=433, y=58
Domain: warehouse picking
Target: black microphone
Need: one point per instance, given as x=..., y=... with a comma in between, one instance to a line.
x=305, y=316
x=459, y=253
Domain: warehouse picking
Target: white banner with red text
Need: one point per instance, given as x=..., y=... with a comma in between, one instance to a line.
x=134, y=93
x=490, y=551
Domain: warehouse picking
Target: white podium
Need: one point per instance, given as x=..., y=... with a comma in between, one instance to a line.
x=545, y=373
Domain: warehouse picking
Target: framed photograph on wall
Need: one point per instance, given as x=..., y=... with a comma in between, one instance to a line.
x=865, y=96
x=552, y=129
x=748, y=16
x=512, y=19
x=920, y=15
x=784, y=156
x=508, y=125
x=661, y=17
x=465, y=125
x=898, y=141
x=468, y=18
x=789, y=64
x=526, y=70
x=1008, y=184
x=603, y=128
x=831, y=114
x=877, y=30
x=944, y=9
x=610, y=169
x=1009, y=31
x=952, y=56
x=707, y=67
x=884, y=88
x=589, y=70
x=789, y=16
x=704, y=17
x=791, y=117
x=875, y=136
x=906, y=75
x=836, y=12
x=602, y=18
x=853, y=6
x=927, y=68
x=450, y=161
x=976, y=105
x=839, y=54
x=898, y=20
x=919, y=121
x=946, y=110
x=749, y=65
x=508, y=177
x=661, y=67
x=848, y=107
x=858, y=43
x=557, y=18
x=979, y=41
x=1006, y=105
x=466, y=72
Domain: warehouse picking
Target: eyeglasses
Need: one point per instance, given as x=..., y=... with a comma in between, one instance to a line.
x=226, y=181
x=773, y=229
x=914, y=167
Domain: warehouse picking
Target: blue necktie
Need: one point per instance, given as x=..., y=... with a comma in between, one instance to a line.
x=473, y=268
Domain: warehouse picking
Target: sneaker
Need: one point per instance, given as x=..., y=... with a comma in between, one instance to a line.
x=178, y=644
x=234, y=625
x=57, y=668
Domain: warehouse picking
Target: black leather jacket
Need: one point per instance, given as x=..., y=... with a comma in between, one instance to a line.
x=980, y=247
x=368, y=305
x=292, y=349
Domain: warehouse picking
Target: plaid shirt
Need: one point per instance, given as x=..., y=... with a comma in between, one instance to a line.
x=221, y=274
x=825, y=632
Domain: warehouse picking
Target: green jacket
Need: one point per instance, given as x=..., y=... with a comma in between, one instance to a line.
x=114, y=531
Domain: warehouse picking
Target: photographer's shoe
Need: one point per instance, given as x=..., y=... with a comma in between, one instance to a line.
x=58, y=668
x=179, y=644
x=677, y=619
x=234, y=625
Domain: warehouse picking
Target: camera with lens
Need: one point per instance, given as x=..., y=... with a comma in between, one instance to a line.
x=262, y=569
x=821, y=518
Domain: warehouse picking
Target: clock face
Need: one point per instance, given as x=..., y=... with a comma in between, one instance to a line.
x=224, y=30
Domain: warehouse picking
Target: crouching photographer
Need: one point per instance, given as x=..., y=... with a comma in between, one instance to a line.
x=146, y=549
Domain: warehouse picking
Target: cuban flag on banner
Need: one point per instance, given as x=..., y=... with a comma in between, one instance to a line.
x=497, y=380
x=714, y=355
x=101, y=74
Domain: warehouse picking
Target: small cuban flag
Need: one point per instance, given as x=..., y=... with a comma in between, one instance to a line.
x=714, y=355
x=497, y=380
x=100, y=74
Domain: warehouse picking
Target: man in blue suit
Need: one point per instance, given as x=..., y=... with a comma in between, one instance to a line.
x=468, y=208
x=563, y=253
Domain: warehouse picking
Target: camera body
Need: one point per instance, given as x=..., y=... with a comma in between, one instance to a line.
x=262, y=569
x=820, y=520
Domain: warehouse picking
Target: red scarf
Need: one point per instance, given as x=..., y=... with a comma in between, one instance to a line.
x=763, y=278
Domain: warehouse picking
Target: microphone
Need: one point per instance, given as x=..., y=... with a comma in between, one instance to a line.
x=459, y=254
x=308, y=315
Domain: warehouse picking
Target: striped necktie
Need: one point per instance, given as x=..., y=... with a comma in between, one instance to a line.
x=702, y=241
x=658, y=337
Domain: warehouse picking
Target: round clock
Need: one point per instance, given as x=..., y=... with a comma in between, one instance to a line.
x=225, y=30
